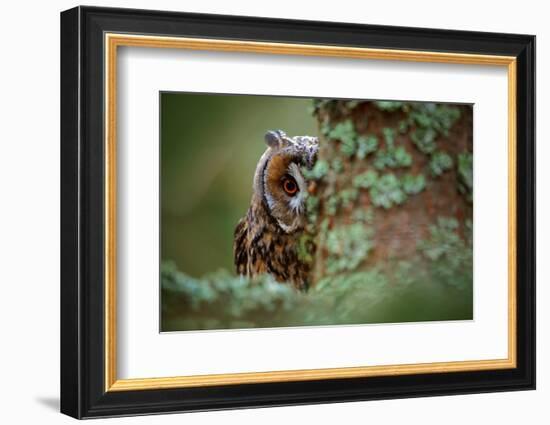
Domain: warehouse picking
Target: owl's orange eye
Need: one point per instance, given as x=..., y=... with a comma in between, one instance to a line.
x=290, y=186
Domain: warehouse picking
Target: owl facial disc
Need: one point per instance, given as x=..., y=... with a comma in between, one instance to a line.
x=279, y=179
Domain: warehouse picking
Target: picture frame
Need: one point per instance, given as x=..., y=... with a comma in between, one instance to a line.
x=90, y=40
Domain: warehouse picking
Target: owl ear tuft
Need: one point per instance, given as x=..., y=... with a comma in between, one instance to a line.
x=274, y=138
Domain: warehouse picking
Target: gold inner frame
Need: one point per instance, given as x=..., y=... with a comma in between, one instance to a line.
x=113, y=41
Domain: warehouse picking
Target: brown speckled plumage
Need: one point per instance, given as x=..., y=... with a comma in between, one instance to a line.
x=266, y=237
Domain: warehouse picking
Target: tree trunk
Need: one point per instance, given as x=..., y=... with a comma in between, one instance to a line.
x=392, y=181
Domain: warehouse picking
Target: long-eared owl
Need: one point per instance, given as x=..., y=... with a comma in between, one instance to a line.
x=266, y=237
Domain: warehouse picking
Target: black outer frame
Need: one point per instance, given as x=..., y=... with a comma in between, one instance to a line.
x=82, y=212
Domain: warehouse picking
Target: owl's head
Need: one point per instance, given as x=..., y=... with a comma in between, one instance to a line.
x=279, y=180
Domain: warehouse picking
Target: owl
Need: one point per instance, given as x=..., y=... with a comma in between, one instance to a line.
x=266, y=237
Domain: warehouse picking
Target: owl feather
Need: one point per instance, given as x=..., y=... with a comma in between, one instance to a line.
x=266, y=238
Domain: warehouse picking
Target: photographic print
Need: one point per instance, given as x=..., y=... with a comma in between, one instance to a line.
x=319, y=227
x=282, y=212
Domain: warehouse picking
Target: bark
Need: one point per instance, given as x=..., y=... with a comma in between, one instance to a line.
x=387, y=198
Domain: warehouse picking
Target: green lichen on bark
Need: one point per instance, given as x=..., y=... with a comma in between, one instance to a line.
x=466, y=175
x=380, y=156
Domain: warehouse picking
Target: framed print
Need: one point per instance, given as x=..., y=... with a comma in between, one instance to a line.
x=261, y=212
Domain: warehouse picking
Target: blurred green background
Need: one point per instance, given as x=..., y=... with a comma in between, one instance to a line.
x=210, y=145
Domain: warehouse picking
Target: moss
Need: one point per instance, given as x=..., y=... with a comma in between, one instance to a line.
x=347, y=247
x=345, y=282
x=337, y=165
x=345, y=133
x=405, y=272
x=366, y=146
x=438, y=117
x=465, y=175
x=319, y=170
x=424, y=139
x=306, y=248
x=365, y=180
x=389, y=105
x=392, y=156
x=348, y=197
x=389, y=136
x=238, y=294
x=440, y=162
x=363, y=215
x=348, y=147
x=324, y=226
x=413, y=184
x=325, y=128
x=318, y=104
x=402, y=127
x=312, y=211
x=401, y=292
x=451, y=256
x=401, y=158
x=312, y=204
x=431, y=120
x=387, y=192
x=332, y=205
